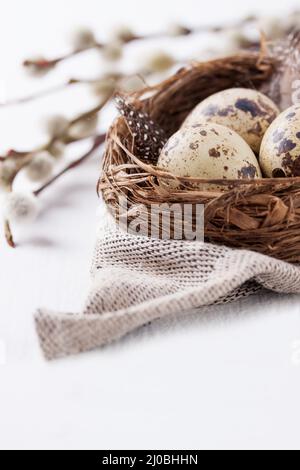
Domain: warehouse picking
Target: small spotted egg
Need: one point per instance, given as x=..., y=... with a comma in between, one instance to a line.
x=280, y=148
x=208, y=151
x=248, y=112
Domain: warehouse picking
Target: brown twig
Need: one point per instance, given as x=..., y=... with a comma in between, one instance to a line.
x=99, y=140
x=51, y=91
x=36, y=96
x=8, y=234
x=48, y=63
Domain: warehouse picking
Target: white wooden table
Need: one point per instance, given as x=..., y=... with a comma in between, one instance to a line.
x=226, y=378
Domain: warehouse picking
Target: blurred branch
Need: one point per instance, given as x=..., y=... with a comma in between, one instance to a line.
x=98, y=141
x=50, y=63
x=178, y=30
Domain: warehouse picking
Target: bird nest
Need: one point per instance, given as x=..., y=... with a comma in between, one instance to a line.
x=261, y=215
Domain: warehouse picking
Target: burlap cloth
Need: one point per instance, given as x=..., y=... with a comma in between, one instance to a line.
x=136, y=280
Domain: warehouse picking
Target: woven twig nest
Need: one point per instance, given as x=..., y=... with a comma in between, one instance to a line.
x=261, y=215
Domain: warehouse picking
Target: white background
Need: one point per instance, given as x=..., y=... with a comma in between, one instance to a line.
x=226, y=378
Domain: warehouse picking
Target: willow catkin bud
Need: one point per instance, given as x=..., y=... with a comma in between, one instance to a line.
x=20, y=207
x=112, y=51
x=272, y=27
x=82, y=38
x=83, y=128
x=122, y=34
x=104, y=87
x=175, y=29
x=8, y=171
x=131, y=84
x=158, y=61
x=56, y=126
x=233, y=40
x=57, y=149
x=40, y=167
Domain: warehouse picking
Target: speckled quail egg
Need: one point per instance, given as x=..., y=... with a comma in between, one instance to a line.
x=280, y=148
x=208, y=151
x=247, y=112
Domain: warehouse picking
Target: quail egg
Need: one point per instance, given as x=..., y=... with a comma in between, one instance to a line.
x=248, y=112
x=280, y=148
x=208, y=151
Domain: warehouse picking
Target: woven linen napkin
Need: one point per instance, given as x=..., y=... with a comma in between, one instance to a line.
x=136, y=279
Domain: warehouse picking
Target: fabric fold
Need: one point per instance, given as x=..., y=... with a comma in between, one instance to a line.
x=136, y=280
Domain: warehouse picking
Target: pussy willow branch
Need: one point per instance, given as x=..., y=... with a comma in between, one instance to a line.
x=185, y=32
x=98, y=141
x=24, y=158
x=36, y=96
x=71, y=82
x=65, y=138
x=50, y=63
x=55, y=89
